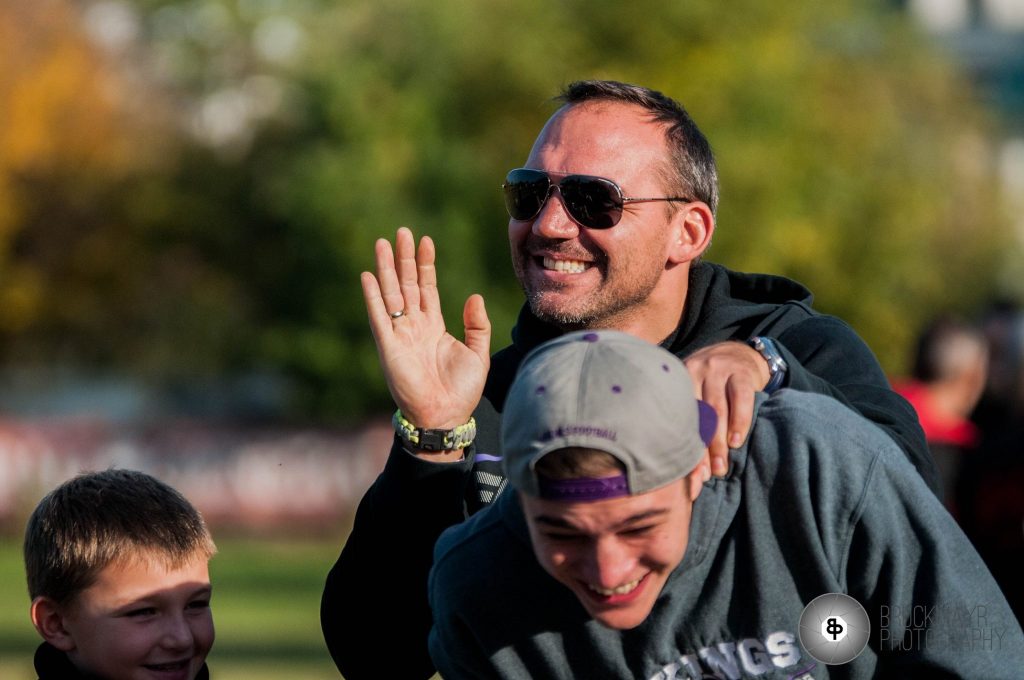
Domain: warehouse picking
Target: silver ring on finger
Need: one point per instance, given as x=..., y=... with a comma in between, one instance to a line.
x=397, y=315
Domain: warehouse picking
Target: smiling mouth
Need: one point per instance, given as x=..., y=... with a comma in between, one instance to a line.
x=624, y=589
x=169, y=666
x=566, y=266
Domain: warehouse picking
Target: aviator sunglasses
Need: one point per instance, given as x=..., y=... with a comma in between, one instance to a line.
x=592, y=202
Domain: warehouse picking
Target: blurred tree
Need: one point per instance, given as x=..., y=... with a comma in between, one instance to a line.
x=92, y=275
x=61, y=123
x=308, y=128
x=840, y=135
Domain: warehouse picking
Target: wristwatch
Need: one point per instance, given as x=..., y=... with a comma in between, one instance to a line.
x=426, y=439
x=776, y=364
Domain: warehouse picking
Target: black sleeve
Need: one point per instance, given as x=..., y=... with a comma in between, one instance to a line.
x=374, y=611
x=825, y=356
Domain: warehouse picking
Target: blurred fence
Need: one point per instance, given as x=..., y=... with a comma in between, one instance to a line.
x=239, y=477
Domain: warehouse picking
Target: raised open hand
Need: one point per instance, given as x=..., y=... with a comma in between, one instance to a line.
x=434, y=378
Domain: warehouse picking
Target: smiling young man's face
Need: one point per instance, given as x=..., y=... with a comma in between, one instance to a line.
x=141, y=620
x=615, y=555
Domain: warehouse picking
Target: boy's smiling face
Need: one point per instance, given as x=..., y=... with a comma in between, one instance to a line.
x=142, y=620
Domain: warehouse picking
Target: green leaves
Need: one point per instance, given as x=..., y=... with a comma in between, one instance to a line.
x=304, y=130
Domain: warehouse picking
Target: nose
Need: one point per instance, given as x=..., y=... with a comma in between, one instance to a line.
x=553, y=220
x=610, y=563
x=177, y=633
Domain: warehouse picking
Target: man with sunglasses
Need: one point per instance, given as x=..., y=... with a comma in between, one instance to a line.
x=609, y=218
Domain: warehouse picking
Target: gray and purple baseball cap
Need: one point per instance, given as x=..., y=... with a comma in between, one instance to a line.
x=609, y=391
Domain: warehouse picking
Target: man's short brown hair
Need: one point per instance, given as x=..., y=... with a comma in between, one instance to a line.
x=691, y=164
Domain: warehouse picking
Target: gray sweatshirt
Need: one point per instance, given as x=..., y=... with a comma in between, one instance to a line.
x=818, y=500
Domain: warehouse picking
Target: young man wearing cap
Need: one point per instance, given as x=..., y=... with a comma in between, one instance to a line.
x=616, y=557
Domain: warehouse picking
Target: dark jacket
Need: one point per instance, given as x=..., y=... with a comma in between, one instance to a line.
x=375, y=599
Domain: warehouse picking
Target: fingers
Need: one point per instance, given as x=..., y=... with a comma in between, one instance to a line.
x=407, y=277
x=407, y=270
x=706, y=390
x=429, y=298
x=741, y=410
x=380, y=322
x=705, y=468
x=478, y=328
x=734, y=403
x=726, y=377
x=387, y=277
x=718, y=450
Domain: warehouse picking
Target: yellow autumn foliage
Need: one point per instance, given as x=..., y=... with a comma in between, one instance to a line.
x=63, y=114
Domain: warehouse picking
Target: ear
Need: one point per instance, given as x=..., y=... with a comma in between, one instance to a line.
x=48, y=618
x=692, y=228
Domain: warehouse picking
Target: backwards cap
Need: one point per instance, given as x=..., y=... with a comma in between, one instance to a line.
x=609, y=391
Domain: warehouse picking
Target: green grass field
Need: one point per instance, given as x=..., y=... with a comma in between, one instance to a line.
x=266, y=608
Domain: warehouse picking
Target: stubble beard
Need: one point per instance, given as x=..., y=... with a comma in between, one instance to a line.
x=618, y=298
x=602, y=308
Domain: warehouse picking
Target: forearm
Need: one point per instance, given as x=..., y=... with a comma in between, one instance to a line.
x=374, y=611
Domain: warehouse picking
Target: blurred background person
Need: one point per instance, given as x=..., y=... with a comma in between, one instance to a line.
x=990, y=491
x=949, y=371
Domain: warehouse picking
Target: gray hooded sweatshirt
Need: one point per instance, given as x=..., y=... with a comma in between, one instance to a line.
x=818, y=501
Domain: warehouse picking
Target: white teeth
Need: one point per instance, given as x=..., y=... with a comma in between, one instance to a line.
x=620, y=590
x=570, y=266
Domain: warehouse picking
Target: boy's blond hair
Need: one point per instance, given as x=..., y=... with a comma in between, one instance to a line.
x=98, y=518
